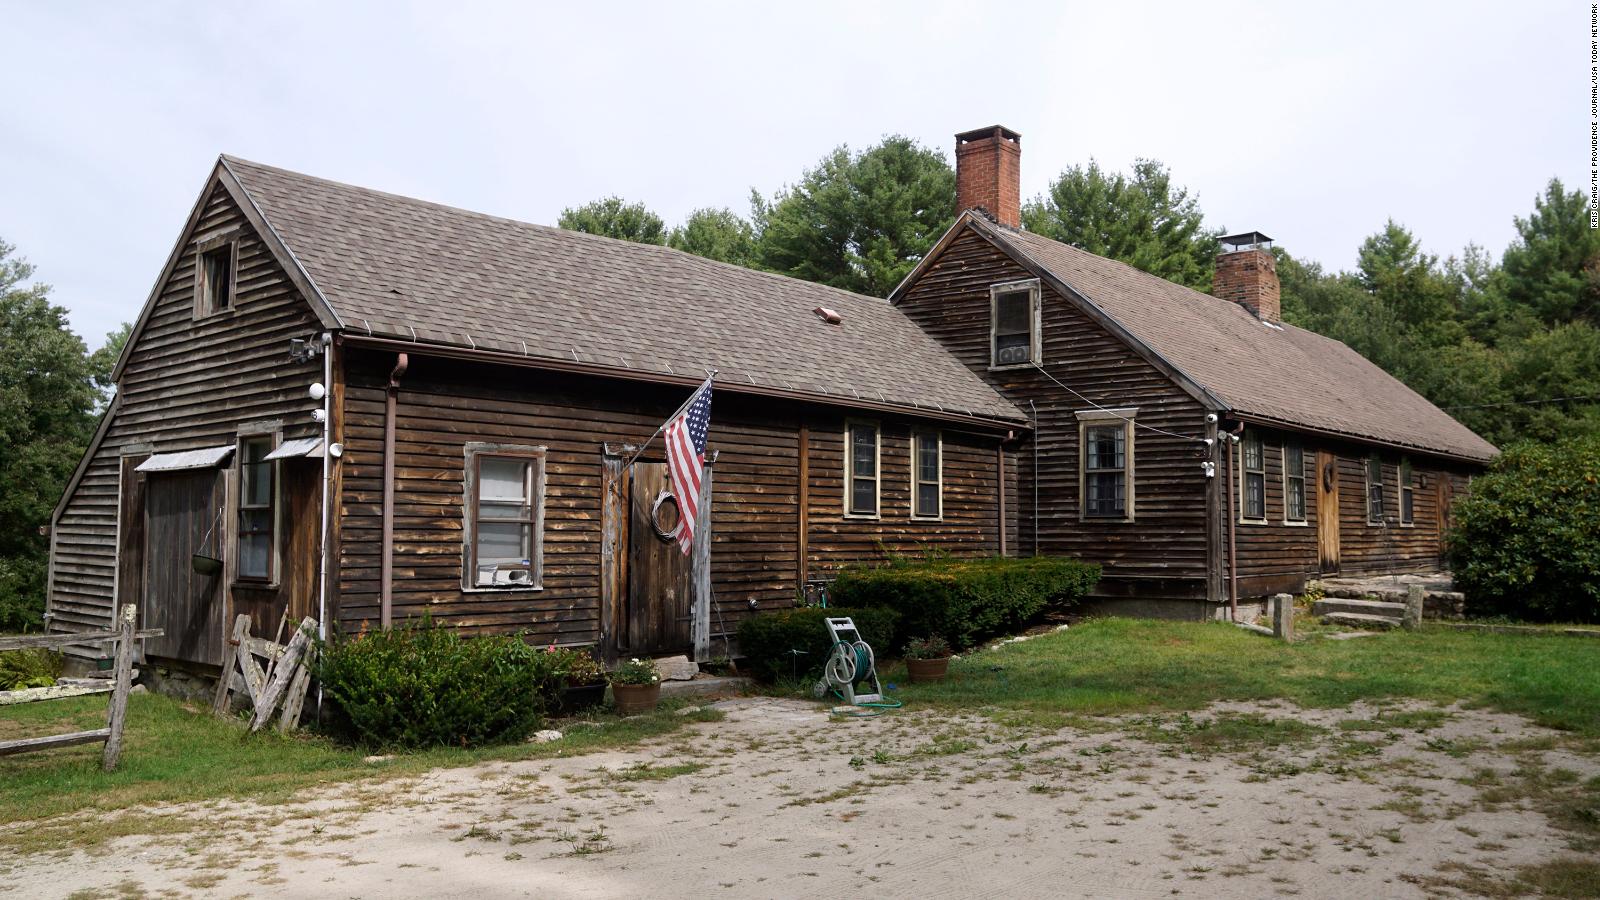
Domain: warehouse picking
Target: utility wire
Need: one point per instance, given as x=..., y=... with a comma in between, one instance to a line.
x=1114, y=413
x=1525, y=402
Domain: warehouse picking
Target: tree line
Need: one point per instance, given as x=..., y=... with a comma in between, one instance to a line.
x=1510, y=347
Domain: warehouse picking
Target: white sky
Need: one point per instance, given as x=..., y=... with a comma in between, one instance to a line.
x=1310, y=122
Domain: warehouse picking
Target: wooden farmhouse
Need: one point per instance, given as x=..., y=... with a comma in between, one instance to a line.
x=368, y=407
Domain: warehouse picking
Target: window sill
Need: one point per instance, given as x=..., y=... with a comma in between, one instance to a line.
x=938, y=518
x=1011, y=367
x=1253, y=522
x=1296, y=524
x=1108, y=520
x=502, y=588
x=864, y=517
x=253, y=585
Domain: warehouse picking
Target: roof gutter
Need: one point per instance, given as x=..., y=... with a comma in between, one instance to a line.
x=1287, y=425
x=985, y=424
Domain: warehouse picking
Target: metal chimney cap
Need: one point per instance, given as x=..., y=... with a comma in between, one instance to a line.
x=1248, y=240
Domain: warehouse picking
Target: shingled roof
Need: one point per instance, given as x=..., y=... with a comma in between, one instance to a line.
x=1274, y=373
x=395, y=267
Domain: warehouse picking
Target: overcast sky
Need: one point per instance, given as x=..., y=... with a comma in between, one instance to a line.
x=1310, y=122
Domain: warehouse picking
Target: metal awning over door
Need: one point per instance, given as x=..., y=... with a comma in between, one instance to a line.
x=204, y=458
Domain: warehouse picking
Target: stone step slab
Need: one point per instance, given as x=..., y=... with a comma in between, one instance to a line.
x=1361, y=620
x=1329, y=605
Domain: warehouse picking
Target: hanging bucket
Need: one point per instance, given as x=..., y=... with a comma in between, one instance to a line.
x=205, y=565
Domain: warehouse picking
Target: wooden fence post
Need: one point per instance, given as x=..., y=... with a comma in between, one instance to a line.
x=124, y=686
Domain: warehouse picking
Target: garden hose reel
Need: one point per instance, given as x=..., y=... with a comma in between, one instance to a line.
x=850, y=663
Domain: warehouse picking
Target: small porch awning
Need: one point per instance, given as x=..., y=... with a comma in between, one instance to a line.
x=311, y=446
x=204, y=458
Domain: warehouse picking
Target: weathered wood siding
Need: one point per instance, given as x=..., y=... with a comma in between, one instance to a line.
x=1280, y=556
x=443, y=405
x=187, y=384
x=1163, y=551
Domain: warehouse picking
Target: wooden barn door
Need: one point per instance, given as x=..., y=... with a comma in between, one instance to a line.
x=659, y=595
x=180, y=509
x=1328, y=511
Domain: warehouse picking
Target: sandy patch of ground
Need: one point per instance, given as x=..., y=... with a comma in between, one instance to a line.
x=780, y=800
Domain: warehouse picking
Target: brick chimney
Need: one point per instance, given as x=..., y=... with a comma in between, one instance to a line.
x=1247, y=274
x=989, y=173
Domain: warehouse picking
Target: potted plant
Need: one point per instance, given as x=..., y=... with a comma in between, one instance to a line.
x=636, y=686
x=928, y=659
x=583, y=681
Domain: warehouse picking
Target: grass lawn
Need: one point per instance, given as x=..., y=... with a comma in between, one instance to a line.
x=1109, y=666
x=174, y=752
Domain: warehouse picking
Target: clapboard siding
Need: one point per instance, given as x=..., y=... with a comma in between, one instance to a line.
x=443, y=405
x=1165, y=545
x=187, y=383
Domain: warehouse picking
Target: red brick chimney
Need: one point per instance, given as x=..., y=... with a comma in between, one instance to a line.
x=1247, y=274
x=989, y=173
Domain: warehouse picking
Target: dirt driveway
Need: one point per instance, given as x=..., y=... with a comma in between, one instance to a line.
x=779, y=800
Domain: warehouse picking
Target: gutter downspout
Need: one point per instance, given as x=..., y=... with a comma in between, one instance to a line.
x=327, y=478
x=1035, y=441
x=1233, y=523
x=386, y=570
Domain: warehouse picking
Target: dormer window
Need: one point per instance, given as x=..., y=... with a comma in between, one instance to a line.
x=1014, y=324
x=214, y=277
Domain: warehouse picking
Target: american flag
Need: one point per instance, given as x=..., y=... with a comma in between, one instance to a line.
x=686, y=458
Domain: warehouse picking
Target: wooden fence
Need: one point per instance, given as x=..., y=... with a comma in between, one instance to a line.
x=122, y=685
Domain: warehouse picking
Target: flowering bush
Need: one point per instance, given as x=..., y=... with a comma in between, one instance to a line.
x=577, y=667
x=932, y=647
x=636, y=671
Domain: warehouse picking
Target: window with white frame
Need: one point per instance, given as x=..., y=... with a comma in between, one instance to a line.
x=927, y=474
x=1105, y=482
x=1252, y=478
x=1294, y=482
x=1014, y=324
x=1407, y=495
x=504, y=516
x=1374, y=490
x=861, y=469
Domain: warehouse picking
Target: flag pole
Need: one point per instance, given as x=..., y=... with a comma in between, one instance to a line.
x=642, y=447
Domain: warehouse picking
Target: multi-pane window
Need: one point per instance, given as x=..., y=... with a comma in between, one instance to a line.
x=1407, y=499
x=1105, y=470
x=506, y=505
x=1253, y=483
x=926, y=477
x=215, y=280
x=1014, y=324
x=861, y=476
x=1374, y=490
x=1294, y=482
x=257, y=496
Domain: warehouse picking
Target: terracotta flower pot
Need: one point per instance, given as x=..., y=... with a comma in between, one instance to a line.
x=633, y=699
x=927, y=671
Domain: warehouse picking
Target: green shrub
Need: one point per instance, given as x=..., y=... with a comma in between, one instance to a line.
x=767, y=640
x=31, y=668
x=1526, y=541
x=966, y=601
x=424, y=685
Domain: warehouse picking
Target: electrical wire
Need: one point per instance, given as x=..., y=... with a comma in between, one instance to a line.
x=1114, y=413
x=1524, y=402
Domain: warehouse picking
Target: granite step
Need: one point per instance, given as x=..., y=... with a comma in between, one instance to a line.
x=1361, y=620
x=1367, y=607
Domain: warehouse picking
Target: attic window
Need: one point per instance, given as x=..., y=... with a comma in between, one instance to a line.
x=1014, y=324
x=214, y=277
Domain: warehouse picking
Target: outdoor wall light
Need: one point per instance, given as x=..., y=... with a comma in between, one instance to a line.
x=317, y=391
x=319, y=415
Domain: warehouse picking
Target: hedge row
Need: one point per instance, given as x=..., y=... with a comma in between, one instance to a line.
x=424, y=685
x=795, y=642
